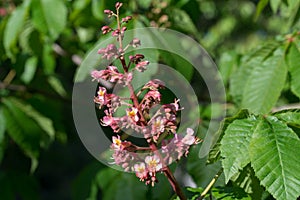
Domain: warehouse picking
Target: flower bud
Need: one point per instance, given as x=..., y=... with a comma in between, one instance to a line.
x=135, y=42
x=105, y=29
x=118, y=5
x=108, y=12
x=115, y=33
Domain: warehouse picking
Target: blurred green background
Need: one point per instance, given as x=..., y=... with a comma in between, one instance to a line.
x=43, y=42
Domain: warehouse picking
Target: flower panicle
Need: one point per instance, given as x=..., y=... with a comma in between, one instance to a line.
x=144, y=114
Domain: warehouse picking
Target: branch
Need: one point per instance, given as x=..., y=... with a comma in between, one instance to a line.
x=286, y=107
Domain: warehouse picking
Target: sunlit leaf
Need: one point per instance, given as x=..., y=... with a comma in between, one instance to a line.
x=249, y=64
x=215, y=152
x=97, y=9
x=261, y=5
x=275, y=5
x=235, y=146
x=293, y=61
x=29, y=69
x=49, y=16
x=264, y=85
x=14, y=27
x=274, y=153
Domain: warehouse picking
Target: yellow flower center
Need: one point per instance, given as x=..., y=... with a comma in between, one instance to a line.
x=131, y=113
x=101, y=93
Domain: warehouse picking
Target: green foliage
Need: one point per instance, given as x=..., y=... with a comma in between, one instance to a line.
x=255, y=44
x=14, y=27
x=274, y=158
x=264, y=85
x=45, y=17
x=293, y=62
x=271, y=148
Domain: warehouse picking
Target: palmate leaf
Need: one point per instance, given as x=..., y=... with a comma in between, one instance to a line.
x=293, y=61
x=274, y=152
x=235, y=144
x=264, y=85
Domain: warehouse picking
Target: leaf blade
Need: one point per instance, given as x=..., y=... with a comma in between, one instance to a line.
x=234, y=146
x=293, y=61
x=264, y=85
x=275, y=159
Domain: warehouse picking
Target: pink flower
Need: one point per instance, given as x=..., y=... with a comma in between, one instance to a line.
x=111, y=74
x=154, y=84
x=189, y=139
x=101, y=98
x=141, y=66
x=141, y=171
x=117, y=142
x=153, y=163
x=109, y=52
x=113, y=122
x=133, y=113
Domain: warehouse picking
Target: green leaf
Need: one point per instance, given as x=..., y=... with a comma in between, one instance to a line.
x=23, y=131
x=120, y=185
x=261, y=5
x=97, y=9
x=275, y=5
x=49, y=17
x=235, y=144
x=81, y=187
x=247, y=180
x=56, y=84
x=29, y=69
x=14, y=27
x=291, y=118
x=230, y=193
x=44, y=122
x=48, y=59
x=293, y=62
x=182, y=20
x=274, y=152
x=227, y=64
x=249, y=63
x=264, y=85
x=215, y=152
